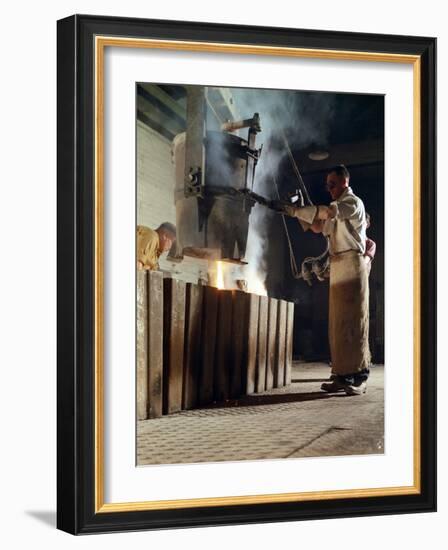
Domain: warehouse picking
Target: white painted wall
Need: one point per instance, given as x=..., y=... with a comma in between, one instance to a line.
x=155, y=178
x=155, y=195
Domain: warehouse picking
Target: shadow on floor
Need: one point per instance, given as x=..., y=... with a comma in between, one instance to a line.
x=254, y=400
x=306, y=380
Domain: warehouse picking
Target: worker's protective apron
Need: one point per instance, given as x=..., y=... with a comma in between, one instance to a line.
x=349, y=313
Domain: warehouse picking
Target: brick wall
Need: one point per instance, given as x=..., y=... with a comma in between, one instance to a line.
x=155, y=195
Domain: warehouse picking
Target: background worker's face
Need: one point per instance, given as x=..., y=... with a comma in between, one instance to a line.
x=336, y=185
x=166, y=241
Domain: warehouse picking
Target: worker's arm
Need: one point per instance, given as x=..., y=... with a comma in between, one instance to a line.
x=326, y=212
x=313, y=216
x=370, y=249
x=303, y=213
x=323, y=214
x=348, y=209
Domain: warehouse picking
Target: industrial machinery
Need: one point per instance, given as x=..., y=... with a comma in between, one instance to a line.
x=215, y=173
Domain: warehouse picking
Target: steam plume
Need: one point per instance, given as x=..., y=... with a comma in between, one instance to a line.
x=303, y=117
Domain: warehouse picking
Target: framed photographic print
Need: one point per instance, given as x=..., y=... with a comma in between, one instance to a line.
x=246, y=274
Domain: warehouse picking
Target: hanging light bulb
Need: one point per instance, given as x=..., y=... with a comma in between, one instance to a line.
x=318, y=155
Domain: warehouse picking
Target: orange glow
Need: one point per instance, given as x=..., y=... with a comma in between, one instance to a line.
x=224, y=276
x=219, y=276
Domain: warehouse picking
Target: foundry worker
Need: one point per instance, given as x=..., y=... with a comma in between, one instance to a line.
x=151, y=243
x=344, y=222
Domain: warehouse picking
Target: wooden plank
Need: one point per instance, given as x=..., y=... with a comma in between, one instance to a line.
x=155, y=343
x=173, y=358
x=239, y=341
x=272, y=331
x=253, y=306
x=260, y=378
x=288, y=347
x=192, y=358
x=142, y=348
x=280, y=345
x=224, y=344
x=210, y=310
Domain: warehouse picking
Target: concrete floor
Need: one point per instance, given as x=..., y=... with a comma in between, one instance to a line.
x=296, y=421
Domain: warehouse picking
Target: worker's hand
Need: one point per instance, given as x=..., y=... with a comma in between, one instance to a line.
x=302, y=213
x=317, y=226
x=139, y=265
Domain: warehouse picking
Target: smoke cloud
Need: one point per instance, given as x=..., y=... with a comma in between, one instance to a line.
x=303, y=117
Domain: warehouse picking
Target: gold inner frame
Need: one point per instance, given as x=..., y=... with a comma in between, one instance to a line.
x=101, y=42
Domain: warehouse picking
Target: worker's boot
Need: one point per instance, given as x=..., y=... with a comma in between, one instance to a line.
x=333, y=385
x=358, y=388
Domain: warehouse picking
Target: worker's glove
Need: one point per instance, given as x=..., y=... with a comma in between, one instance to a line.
x=282, y=207
x=305, y=214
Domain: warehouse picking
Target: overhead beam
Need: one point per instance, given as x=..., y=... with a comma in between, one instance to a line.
x=170, y=123
x=158, y=97
x=155, y=125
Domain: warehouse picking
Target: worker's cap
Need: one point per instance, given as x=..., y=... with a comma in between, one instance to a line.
x=168, y=228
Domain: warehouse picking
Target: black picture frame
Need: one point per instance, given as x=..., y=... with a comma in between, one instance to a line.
x=77, y=511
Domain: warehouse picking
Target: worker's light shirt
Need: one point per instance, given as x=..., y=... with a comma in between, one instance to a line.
x=148, y=247
x=347, y=229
